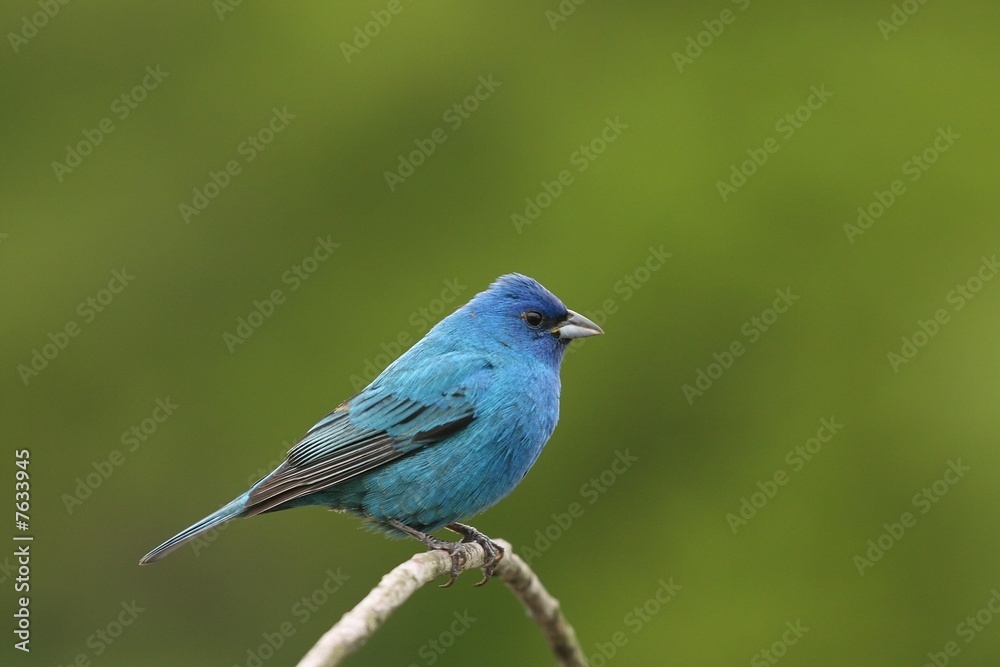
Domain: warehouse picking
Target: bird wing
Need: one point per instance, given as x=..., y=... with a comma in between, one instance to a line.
x=412, y=408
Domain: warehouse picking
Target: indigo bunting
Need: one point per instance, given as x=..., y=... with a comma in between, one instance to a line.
x=444, y=432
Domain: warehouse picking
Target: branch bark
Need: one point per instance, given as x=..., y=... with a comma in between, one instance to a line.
x=358, y=625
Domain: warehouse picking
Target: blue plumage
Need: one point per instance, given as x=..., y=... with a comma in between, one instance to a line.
x=443, y=433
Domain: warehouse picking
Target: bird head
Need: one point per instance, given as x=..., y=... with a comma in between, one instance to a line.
x=518, y=312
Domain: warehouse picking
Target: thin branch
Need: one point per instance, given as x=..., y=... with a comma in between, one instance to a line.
x=358, y=625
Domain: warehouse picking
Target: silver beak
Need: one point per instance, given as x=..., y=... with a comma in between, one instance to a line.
x=576, y=326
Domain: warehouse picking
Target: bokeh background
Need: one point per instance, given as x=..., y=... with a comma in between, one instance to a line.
x=410, y=250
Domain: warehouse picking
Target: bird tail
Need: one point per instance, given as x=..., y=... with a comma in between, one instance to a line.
x=231, y=511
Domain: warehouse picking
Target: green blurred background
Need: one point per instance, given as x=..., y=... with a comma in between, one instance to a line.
x=447, y=228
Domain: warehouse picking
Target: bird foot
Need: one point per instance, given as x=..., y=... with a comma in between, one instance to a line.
x=494, y=552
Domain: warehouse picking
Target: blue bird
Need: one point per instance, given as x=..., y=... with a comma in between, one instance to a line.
x=444, y=432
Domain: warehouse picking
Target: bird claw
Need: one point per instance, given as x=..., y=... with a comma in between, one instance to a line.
x=494, y=552
x=454, y=551
x=457, y=563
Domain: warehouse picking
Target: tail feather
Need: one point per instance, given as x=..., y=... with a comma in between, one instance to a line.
x=230, y=511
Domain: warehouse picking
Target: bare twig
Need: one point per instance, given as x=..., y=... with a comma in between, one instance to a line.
x=359, y=624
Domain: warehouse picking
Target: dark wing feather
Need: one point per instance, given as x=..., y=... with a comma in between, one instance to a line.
x=362, y=434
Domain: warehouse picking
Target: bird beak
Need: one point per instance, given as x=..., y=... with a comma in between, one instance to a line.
x=576, y=326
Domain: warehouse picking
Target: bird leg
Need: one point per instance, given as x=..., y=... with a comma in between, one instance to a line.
x=494, y=552
x=433, y=543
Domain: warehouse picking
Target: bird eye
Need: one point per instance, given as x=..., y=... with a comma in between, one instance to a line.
x=533, y=318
